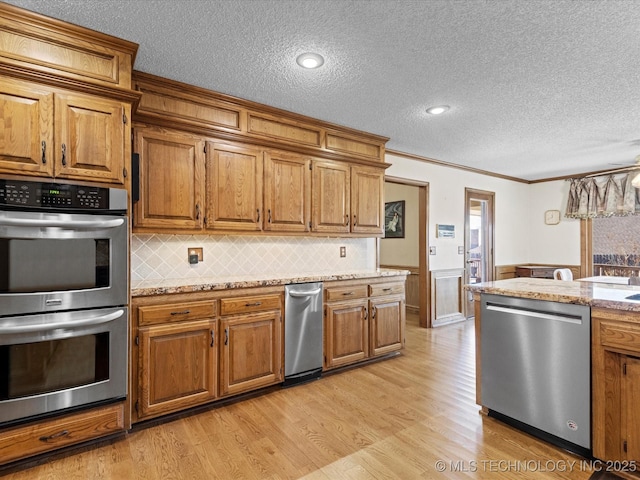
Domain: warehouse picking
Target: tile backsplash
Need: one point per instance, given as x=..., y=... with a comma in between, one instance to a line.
x=158, y=257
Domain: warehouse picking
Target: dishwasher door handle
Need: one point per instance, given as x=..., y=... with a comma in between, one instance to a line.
x=293, y=293
x=533, y=313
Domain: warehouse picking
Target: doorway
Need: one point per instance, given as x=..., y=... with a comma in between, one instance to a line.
x=418, y=287
x=478, y=240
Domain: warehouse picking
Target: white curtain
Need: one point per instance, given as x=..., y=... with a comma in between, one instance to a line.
x=602, y=196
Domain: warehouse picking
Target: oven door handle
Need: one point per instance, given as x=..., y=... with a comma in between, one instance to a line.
x=69, y=224
x=39, y=327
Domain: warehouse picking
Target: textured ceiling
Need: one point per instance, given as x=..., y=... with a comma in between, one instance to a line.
x=537, y=88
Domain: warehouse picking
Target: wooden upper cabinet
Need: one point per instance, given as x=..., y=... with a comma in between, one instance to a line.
x=86, y=138
x=367, y=200
x=234, y=187
x=171, y=180
x=26, y=128
x=287, y=192
x=331, y=197
x=91, y=135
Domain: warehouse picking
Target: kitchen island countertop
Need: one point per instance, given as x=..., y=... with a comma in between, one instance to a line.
x=594, y=294
x=187, y=285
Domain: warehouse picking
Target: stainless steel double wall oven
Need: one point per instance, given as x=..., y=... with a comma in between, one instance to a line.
x=63, y=298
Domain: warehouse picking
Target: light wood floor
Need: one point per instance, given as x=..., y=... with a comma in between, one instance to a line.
x=394, y=419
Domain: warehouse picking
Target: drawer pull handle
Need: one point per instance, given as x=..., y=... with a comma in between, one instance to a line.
x=386, y=289
x=63, y=433
x=184, y=312
x=255, y=304
x=349, y=293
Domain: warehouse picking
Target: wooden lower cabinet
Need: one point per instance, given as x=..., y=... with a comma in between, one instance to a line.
x=193, y=348
x=362, y=320
x=250, y=351
x=177, y=367
x=387, y=324
x=346, y=333
x=48, y=435
x=616, y=384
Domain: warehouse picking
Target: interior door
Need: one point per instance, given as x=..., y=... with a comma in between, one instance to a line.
x=478, y=240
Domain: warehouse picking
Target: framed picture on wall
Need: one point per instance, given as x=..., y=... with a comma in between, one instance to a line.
x=394, y=219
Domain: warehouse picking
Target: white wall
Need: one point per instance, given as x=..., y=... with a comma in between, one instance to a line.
x=555, y=244
x=520, y=233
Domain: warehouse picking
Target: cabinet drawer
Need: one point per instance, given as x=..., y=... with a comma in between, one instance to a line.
x=258, y=303
x=25, y=441
x=176, y=312
x=618, y=335
x=386, y=289
x=345, y=293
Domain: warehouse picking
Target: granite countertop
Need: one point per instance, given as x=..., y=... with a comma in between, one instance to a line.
x=602, y=295
x=187, y=285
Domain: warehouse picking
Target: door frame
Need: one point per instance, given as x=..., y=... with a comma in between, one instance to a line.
x=424, y=294
x=489, y=197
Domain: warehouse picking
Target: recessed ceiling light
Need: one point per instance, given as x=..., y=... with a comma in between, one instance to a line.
x=310, y=60
x=437, y=110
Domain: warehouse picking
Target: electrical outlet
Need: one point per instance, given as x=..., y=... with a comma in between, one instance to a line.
x=460, y=250
x=343, y=251
x=194, y=255
x=432, y=250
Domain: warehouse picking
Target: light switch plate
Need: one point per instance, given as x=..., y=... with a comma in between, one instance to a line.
x=432, y=250
x=194, y=251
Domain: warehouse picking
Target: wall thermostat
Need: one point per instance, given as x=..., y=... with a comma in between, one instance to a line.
x=552, y=217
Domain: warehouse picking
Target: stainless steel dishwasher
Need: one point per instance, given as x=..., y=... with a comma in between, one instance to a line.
x=536, y=368
x=302, y=332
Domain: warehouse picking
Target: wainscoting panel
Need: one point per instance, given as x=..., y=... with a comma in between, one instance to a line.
x=447, y=296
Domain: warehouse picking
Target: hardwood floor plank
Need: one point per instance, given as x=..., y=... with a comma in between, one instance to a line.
x=394, y=419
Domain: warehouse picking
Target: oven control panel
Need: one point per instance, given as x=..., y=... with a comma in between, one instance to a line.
x=59, y=196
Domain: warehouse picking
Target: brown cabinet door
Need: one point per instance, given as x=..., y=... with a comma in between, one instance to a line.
x=387, y=324
x=171, y=180
x=234, y=187
x=251, y=352
x=331, y=197
x=176, y=367
x=367, y=205
x=91, y=135
x=631, y=408
x=26, y=129
x=287, y=192
x=346, y=333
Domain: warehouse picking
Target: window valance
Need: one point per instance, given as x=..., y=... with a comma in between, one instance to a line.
x=602, y=196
